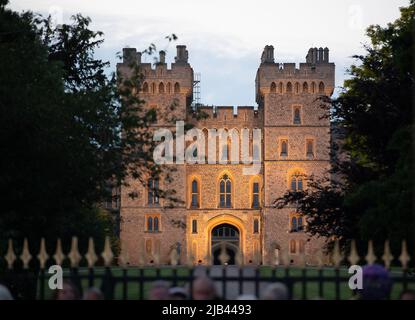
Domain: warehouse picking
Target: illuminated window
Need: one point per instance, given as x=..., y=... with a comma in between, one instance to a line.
x=256, y=226
x=296, y=223
x=255, y=195
x=297, y=182
x=225, y=192
x=284, y=148
x=194, y=226
x=150, y=224
x=195, y=194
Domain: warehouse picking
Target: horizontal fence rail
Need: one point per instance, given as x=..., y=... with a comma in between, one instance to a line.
x=118, y=280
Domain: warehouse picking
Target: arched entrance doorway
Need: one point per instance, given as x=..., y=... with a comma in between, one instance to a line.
x=227, y=235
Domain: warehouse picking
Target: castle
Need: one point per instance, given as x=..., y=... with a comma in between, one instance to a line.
x=222, y=206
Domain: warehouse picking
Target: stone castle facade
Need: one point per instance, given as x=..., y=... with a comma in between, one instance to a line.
x=222, y=207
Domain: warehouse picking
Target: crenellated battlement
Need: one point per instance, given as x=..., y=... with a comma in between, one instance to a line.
x=315, y=76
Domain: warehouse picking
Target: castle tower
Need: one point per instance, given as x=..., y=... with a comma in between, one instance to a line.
x=296, y=141
x=146, y=222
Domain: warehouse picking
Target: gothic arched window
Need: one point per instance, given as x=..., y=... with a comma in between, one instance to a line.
x=256, y=226
x=273, y=87
x=156, y=224
x=289, y=87
x=305, y=87
x=321, y=87
x=297, y=182
x=176, y=87
x=149, y=224
x=225, y=192
x=145, y=87
x=161, y=87
x=297, y=116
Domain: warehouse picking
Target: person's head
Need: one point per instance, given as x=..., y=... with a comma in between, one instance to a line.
x=246, y=297
x=377, y=283
x=407, y=295
x=5, y=293
x=276, y=291
x=204, y=289
x=68, y=292
x=93, y=294
x=178, y=293
x=159, y=291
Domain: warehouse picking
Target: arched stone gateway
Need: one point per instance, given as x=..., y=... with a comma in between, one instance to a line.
x=225, y=236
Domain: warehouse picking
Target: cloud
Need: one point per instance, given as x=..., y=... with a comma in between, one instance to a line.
x=225, y=38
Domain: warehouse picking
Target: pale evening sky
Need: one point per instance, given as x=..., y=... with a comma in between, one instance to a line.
x=225, y=38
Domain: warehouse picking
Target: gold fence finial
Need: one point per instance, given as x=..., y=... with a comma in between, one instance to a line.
x=25, y=256
x=320, y=258
x=387, y=255
x=285, y=257
x=59, y=256
x=91, y=256
x=74, y=255
x=190, y=258
x=124, y=257
x=174, y=257
x=141, y=255
x=337, y=256
x=404, y=257
x=223, y=256
x=10, y=255
x=370, y=257
x=239, y=258
x=43, y=255
x=354, y=255
x=107, y=253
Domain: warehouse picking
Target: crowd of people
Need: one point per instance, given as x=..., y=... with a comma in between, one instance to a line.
x=377, y=285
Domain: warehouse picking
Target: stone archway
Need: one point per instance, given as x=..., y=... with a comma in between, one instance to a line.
x=225, y=236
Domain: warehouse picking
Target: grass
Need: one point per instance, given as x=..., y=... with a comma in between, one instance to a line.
x=311, y=287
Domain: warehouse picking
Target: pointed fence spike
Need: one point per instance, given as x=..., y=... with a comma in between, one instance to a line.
x=174, y=257
x=239, y=258
x=123, y=258
x=370, y=257
x=337, y=256
x=285, y=257
x=387, y=255
x=190, y=258
x=223, y=256
x=10, y=255
x=43, y=255
x=74, y=255
x=404, y=257
x=59, y=256
x=25, y=256
x=107, y=254
x=141, y=251
x=91, y=256
x=320, y=258
x=353, y=257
